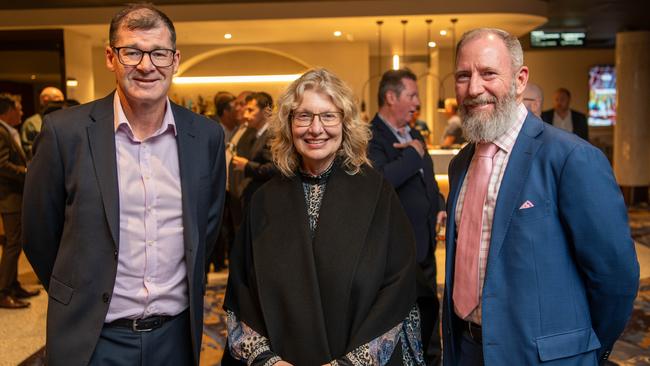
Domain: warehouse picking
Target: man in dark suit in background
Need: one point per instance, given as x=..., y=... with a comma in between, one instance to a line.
x=259, y=168
x=540, y=267
x=561, y=116
x=12, y=177
x=400, y=154
x=122, y=201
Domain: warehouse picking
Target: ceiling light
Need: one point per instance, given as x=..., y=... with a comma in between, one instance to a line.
x=236, y=79
x=227, y=36
x=443, y=32
x=432, y=44
x=337, y=33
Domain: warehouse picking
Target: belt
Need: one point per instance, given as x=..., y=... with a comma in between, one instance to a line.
x=143, y=324
x=474, y=331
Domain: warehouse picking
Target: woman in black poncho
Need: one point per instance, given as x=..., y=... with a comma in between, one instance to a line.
x=323, y=269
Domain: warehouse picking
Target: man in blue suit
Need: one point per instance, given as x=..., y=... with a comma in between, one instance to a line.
x=552, y=274
x=400, y=154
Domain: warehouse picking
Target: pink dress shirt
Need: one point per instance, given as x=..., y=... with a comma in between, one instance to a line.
x=151, y=272
x=499, y=163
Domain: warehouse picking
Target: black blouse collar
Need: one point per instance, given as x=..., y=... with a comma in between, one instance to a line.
x=317, y=179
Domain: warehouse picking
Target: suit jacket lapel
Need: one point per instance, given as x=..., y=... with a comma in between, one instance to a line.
x=186, y=139
x=101, y=138
x=513, y=181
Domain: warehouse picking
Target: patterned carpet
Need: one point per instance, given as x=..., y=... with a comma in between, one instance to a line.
x=632, y=349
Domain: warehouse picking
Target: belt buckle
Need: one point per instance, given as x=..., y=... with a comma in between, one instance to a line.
x=135, y=328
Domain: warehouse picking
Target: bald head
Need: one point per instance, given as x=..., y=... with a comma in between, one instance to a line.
x=50, y=94
x=533, y=98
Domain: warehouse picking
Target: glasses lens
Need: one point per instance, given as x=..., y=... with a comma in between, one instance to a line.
x=162, y=57
x=303, y=118
x=130, y=56
x=329, y=118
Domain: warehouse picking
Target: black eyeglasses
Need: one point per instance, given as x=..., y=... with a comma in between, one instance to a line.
x=130, y=56
x=305, y=118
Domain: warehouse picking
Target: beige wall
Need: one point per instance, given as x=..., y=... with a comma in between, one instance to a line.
x=552, y=69
x=79, y=66
x=348, y=60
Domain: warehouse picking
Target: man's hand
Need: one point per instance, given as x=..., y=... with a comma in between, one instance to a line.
x=239, y=163
x=282, y=363
x=416, y=144
x=441, y=218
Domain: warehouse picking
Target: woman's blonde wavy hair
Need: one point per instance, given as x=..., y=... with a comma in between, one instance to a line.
x=356, y=133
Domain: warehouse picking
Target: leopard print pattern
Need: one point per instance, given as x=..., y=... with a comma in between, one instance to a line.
x=314, y=190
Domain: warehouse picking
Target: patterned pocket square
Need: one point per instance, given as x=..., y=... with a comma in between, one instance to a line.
x=526, y=205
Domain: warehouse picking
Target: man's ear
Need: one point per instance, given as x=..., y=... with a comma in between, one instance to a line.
x=110, y=58
x=391, y=97
x=521, y=79
x=268, y=112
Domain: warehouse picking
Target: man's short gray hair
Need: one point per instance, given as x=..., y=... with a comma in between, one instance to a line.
x=511, y=42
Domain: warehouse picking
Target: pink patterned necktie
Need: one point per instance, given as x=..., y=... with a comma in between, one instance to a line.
x=468, y=244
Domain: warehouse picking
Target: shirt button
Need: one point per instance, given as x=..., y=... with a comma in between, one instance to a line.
x=150, y=242
x=106, y=297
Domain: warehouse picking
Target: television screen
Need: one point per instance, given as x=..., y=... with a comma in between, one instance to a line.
x=602, y=95
x=547, y=38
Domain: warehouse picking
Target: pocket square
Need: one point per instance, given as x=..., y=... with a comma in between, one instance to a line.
x=526, y=205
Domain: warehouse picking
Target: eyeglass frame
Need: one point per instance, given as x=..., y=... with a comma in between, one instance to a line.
x=292, y=117
x=119, y=57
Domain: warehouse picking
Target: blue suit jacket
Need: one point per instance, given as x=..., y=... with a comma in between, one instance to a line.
x=561, y=276
x=418, y=193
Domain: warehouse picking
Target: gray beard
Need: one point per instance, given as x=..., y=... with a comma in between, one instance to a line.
x=487, y=127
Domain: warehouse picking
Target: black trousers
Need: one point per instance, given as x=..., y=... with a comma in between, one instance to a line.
x=10, y=252
x=429, y=306
x=170, y=344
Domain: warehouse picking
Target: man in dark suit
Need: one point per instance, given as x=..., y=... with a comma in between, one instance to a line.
x=12, y=176
x=541, y=268
x=563, y=117
x=400, y=154
x=122, y=201
x=259, y=168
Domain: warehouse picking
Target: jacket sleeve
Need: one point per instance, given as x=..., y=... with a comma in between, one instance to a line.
x=264, y=169
x=595, y=217
x=398, y=170
x=9, y=170
x=44, y=204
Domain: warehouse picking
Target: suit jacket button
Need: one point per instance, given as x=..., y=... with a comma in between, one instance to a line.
x=115, y=254
x=105, y=297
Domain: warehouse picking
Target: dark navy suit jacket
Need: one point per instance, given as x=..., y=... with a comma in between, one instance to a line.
x=418, y=191
x=562, y=275
x=578, y=119
x=71, y=219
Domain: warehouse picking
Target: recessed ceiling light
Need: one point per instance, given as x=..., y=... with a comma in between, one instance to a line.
x=443, y=32
x=432, y=44
x=227, y=36
x=337, y=33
